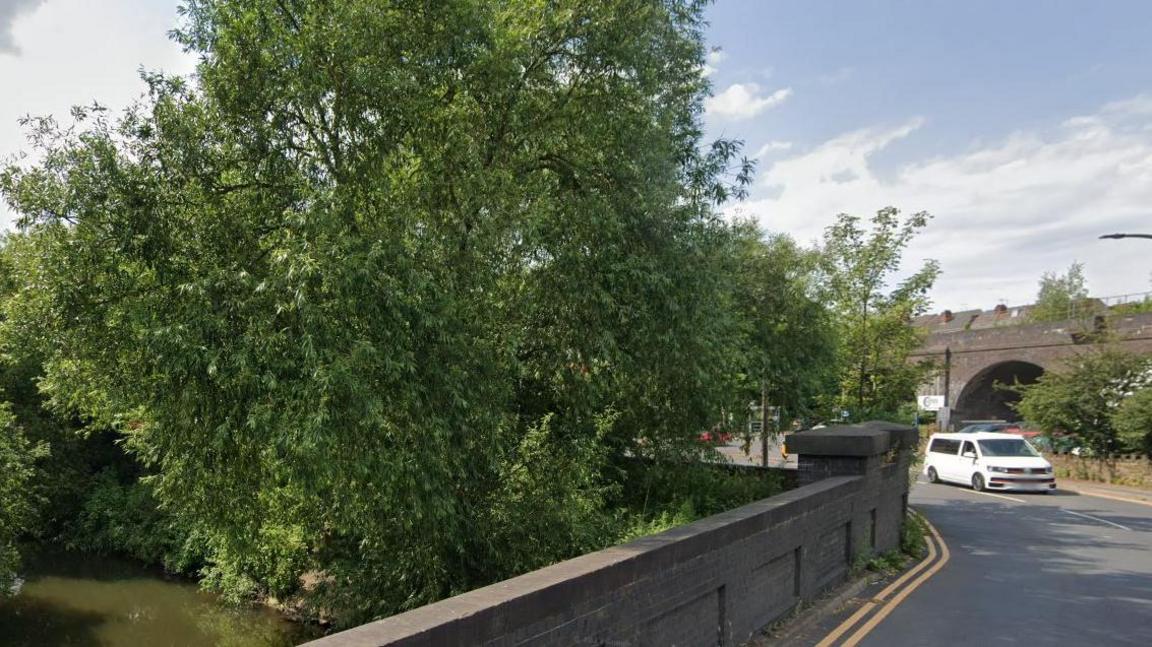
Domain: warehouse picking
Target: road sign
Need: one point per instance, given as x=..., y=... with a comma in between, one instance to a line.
x=930, y=402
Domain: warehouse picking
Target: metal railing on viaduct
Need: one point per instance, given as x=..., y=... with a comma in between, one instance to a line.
x=720, y=580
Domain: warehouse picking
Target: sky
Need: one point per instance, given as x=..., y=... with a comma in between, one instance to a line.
x=1024, y=128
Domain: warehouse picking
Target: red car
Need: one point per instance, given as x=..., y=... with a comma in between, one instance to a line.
x=719, y=437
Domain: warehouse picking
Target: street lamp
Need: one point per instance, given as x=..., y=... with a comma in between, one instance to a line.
x=1119, y=236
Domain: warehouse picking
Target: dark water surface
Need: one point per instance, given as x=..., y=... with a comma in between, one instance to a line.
x=79, y=599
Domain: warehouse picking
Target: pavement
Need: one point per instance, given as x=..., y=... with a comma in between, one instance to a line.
x=1106, y=490
x=735, y=452
x=1068, y=568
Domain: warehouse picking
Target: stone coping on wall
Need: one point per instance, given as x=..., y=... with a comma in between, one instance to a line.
x=487, y=613
x=717, y=580
x=866, y=439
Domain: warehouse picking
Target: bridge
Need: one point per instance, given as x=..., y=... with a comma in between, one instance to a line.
x=976, y=350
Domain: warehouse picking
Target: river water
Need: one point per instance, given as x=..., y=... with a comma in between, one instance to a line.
x=79, y=599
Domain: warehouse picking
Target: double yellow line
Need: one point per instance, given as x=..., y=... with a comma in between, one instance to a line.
x=876, y=609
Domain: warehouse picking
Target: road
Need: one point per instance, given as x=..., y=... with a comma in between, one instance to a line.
x=1029, y=569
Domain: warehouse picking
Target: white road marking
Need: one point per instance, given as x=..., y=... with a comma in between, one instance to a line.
x=998, y=496
x=1088, y=516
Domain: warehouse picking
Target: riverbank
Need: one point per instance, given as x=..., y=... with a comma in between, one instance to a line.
x=69, y=597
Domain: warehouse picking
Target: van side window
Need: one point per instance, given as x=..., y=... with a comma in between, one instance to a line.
x=968, y=447
x=944, y=446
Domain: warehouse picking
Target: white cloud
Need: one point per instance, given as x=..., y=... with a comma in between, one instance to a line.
x=771, y=147
x=10, y=10
x=713, y=60
x=72, y=52
x=744, y=101
x=716, y=57
x=1004, y=212
x=839, y=76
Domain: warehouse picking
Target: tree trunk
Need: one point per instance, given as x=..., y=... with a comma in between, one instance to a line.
x=764, y=424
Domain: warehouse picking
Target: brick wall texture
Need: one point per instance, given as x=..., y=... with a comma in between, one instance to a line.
x=718, y=581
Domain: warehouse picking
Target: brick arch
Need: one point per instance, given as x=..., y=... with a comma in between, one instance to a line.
x=962, y=352
x=980, y=398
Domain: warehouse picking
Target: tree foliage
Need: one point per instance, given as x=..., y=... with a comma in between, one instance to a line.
x=356, y=294
x=790, y=333
x=1133, y=418
x=1100, y=398
x=1062, y=296
x=872, y=316
x=18, y=458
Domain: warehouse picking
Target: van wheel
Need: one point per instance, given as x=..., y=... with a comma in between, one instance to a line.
x=978, y=482
x=933, y=477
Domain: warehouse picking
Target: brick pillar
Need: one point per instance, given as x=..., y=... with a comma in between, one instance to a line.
x=855, y=450
x=880, y=453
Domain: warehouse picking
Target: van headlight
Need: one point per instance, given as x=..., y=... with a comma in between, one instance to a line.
x=993, y=468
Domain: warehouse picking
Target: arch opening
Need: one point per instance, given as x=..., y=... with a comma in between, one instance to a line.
x=981, y=399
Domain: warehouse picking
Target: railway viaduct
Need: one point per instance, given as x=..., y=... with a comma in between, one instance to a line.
x=975, y=350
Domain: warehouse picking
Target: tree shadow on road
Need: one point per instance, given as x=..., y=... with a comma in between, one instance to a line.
x=1037, y=575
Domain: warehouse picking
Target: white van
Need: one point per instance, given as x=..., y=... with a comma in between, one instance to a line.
x=987, y=461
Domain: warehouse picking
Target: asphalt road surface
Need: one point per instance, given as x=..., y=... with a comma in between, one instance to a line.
x=1029, y=569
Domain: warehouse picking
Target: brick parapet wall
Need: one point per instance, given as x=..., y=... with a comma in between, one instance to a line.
x=1050, y=333
x=1133, y=471
x=719, y=580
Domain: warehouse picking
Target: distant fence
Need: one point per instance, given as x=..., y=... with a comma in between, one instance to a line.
x=1097, y=306
x=718, y=581
x=1125, y=299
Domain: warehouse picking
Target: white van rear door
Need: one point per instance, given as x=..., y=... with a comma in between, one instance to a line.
x=942, y=454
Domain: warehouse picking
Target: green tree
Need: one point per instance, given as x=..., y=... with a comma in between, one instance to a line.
x=1087, y=399
x=791, y=342
x=1133, y=419
x=18, y=458
x=871, y=316
x=344, y=292
x=1062, y=296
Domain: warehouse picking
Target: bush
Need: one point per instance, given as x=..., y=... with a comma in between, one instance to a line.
x=123, y=518
x=1133, y=307
x=912, y=536
x=1083, y=400
x=536, y=517
x=17, y=466
x=657, y=496
x=1133, y=421
x=634, y=526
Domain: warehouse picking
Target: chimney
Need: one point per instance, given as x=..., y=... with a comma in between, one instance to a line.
x=946, y=316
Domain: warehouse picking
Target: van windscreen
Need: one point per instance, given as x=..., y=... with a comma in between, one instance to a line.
x=1006, y=447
